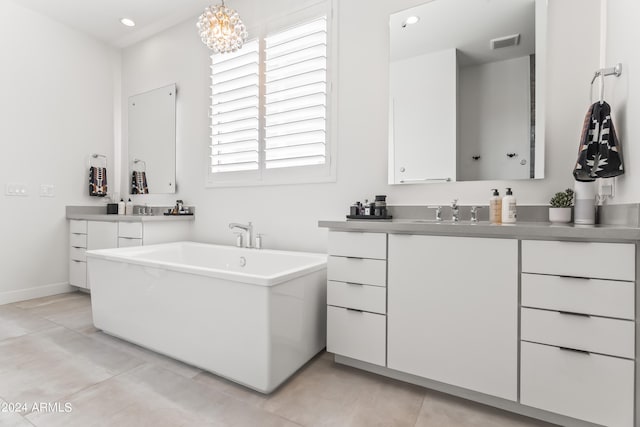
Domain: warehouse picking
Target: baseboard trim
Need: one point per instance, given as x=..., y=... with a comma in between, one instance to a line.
x=36, y=292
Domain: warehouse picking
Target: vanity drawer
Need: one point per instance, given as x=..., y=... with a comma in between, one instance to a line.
x=357, y=270
x=594, y=334
x=78, y=273
x=590, y=387
x=357, y=334
x=579, y=295
x=360, y=297
x=78, y=226
x=132, y=230
x=78, y=240
x=127, y=242
x=615, y=261
x=78, y=254
x=362, y=245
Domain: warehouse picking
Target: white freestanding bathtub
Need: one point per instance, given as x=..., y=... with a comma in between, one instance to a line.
x=252, y=316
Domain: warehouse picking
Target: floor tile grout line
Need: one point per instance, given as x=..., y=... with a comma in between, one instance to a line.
x=27, y=420
x=424, y=398
x=15, y=304
x=39, y=316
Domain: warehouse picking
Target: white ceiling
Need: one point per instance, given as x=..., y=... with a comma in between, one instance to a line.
x=467, y=25
x=101, y=18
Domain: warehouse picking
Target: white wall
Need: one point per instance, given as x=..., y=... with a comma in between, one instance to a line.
x=623, y=93
x=494, y=118
x=56, y=108
x=289, y=214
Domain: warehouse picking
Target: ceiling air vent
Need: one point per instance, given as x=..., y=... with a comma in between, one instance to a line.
x=500, y=42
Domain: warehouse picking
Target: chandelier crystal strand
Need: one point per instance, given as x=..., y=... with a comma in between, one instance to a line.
x=221, y=29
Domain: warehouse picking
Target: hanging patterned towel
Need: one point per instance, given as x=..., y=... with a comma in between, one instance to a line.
x=139, y=183
x=600, y=153
x=97, y=181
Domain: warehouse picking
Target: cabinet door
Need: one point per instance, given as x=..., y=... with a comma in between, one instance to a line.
x=102, y=235
x=453, y=311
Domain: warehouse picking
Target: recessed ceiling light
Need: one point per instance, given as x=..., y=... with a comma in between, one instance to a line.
x=128, y=22
x=410, y=21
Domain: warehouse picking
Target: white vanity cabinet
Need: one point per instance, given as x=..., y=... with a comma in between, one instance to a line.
x=544, y=328
x=356, y=296
x=102, y=235
x=578, y=330
x=93, y=234
x=129, y=234
x=88, y=235
x=453, y=311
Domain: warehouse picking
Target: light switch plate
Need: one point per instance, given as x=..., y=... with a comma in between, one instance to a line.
x=47, y=190
x=17, y=190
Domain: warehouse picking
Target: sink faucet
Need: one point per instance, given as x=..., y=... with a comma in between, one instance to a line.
x=247, y=231
x=455, y=211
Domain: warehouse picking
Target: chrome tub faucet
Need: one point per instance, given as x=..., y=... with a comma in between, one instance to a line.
x=245, y=238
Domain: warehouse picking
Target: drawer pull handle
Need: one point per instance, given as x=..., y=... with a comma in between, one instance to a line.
x=354, y=310
x=354, y=257
x=575, y=277
x=355, y=284
x=571, y=313
x=586, y=353
x=75, y=260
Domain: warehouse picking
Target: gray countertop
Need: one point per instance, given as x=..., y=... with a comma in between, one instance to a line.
x=520, y=230
x=129, y=218
x=98, y=213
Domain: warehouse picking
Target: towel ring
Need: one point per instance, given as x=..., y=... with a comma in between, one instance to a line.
x=602, y=73
x=94, y=158
x=144, y=165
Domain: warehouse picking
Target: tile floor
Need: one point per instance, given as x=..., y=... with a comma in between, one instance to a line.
x=50, y=352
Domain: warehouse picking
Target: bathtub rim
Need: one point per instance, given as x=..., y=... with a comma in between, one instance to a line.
x=124, y=255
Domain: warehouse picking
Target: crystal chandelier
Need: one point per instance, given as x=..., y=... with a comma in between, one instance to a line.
x=221, y=29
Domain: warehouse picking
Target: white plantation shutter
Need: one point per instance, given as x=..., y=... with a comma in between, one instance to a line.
x=296, y=96
x=269, y=103
x=234, y=114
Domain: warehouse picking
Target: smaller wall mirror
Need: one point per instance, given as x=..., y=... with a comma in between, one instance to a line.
x=152, y=141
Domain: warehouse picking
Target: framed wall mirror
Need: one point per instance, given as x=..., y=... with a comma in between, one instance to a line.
x=152, y=141
x=466, y=91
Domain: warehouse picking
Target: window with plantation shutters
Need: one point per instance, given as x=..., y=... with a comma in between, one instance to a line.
x=269, y=103
x=235, y=88
x=296, y=96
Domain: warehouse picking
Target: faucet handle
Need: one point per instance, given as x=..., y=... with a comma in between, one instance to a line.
x=454, y=204
x=239, y=238
x=474, y=213
x=438, y=209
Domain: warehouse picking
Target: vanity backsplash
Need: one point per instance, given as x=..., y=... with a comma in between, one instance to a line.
x=623, y=215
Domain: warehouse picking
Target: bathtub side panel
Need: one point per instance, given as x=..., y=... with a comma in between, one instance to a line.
x=298, y=324
x=216, y=325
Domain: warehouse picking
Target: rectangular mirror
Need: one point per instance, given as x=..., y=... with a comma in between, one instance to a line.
x=152, y=141
x=466, y=86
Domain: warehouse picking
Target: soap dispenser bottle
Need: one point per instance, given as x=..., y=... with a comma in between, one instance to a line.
x=495, y=207
x=128, y=209
x=509, y=208
x=121, y=207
